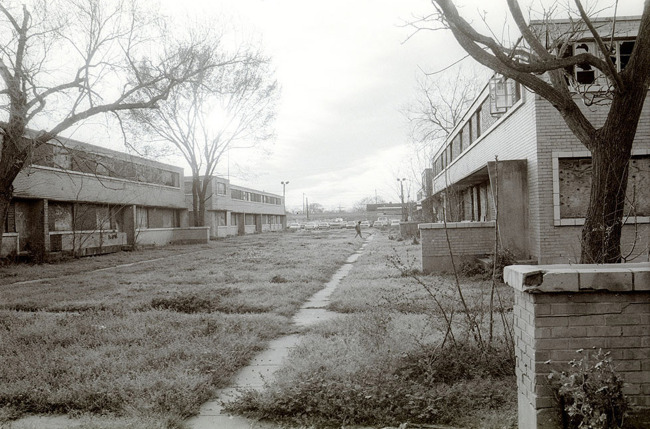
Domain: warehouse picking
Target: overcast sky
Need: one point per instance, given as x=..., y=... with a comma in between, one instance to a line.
x=346, y=69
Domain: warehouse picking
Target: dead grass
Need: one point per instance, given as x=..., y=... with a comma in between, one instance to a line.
x=150, y=342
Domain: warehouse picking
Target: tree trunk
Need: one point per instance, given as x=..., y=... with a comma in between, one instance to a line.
x=601, y=233
x=201, y=212
x=196, y=189
x=5, y=201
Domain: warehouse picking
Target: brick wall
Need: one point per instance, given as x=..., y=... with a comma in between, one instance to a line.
x=565, y=248
x=560, y=243
x=468, y=239
x=560, y=309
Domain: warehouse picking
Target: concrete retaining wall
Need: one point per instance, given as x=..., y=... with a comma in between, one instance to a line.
x=10, y=245
x=562, y=308
x=164, y=236
x=87, y=243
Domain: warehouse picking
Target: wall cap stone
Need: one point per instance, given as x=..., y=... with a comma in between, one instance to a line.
x=456, y=225
x=578, y=277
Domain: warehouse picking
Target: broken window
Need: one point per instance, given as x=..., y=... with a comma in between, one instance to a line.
x=504, y=93
x=586, y=74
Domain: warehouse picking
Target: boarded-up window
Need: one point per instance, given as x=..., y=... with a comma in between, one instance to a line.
x=59, y=216
x=10, y=221
x=161, y=218
x=221, y=188
x=142, y=217
x=575, y=185
x=221, y=218
x=486, y=119
x=466, y=135
x=86, y=217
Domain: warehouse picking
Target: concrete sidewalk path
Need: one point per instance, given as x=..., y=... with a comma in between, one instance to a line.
x=261, y=370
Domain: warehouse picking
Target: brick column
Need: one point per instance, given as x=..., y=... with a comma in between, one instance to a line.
x=40, y=229
x=562, y=308
x=129, y=219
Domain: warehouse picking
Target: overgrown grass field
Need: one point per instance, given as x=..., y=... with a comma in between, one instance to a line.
x=401, y=352
x=144, y=345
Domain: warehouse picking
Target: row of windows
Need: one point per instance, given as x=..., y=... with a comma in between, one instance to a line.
x=63, y=216
x=238, y=194
x=67, y=216
x=249, y=219
x=504, y=93
x=50, y=155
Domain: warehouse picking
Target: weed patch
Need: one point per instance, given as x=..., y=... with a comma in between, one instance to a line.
x=183, y=304
x=390, y=359
x=420, y=387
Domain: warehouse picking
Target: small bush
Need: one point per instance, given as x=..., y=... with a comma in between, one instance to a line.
x=473, y=268
x=591, y=393
x=504, y=258
x=183, y=304
x=279, y=279
x=457, y=362
x=24, y=306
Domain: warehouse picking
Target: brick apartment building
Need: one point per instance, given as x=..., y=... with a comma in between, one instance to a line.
x=81, y=199
x=84, y=199
x=515, y=143
x=236, y=210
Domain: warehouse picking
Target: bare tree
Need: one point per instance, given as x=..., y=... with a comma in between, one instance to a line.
x=360, y=206
x=231, y=106
x=440, y=101
x=63, y=61
x=539, y=60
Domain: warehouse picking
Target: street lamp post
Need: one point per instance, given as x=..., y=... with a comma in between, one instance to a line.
x=284, y=184
x=401, y=185
x=284, y=203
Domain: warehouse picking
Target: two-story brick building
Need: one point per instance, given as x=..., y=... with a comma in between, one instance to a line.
x=513, y=145
x=84, y=199
x=237, y=210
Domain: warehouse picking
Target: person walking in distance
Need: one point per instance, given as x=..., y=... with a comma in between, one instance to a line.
x=358, y=229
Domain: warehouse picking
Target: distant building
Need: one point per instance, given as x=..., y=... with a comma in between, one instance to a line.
x=390, y=210
x=83, y=199
x=236, y=210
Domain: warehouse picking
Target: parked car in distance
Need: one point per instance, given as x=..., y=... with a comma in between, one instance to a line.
x=323, y=225
x=350, y=224
x=293, y=226
x=311, y=225
x=394, y=222
x=382, y=221
x=365, y=224
x=337, y=223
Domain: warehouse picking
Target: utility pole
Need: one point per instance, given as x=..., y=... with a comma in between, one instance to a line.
x=401, y=185
x=307, y=208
